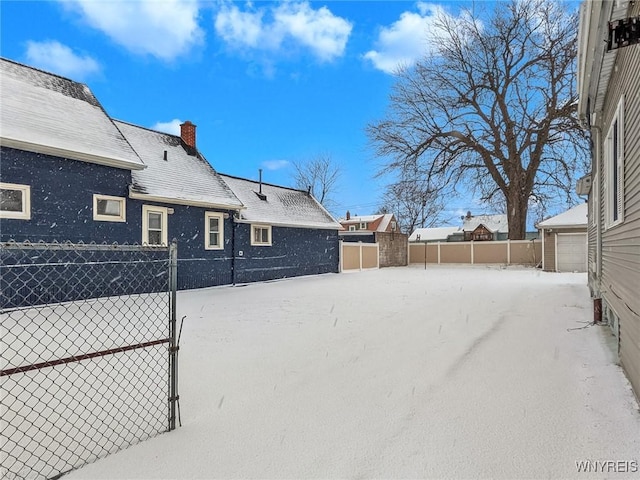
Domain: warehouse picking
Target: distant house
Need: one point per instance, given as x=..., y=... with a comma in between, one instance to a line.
x=71, y=173
x=484, y=227
x=362, y=228
x=282, y=232
x=435, y=234
x=609, y=106
x=564, y=241
x=381, y=229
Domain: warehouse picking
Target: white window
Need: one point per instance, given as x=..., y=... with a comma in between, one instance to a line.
x=261, y=235
x=109, y=209
x=214, y=231
x=352, y=228
x=614, y=169
x=15, y=201
x=154, y=225
x=363, y=226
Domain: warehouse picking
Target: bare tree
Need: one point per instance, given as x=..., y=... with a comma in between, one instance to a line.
x=320, y=175
x=413, y=204
x=492, y=109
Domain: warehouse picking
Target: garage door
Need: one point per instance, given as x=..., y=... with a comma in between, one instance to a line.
x=572, y=252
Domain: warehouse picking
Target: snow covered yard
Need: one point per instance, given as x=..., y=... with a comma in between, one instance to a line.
x=396, y=373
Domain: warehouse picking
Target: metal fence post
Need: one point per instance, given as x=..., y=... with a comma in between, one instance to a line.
x=173, y=347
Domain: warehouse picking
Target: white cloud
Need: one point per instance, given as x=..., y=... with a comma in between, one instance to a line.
x=275, y=164
x=289, y=23
x=172, y=127
x=406, y=40
x=164, y=29
x=56, y=57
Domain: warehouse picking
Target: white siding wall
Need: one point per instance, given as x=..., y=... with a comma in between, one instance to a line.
x=620, y=279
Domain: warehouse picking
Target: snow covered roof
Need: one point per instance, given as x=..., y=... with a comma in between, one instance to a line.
x=181, y=178
x=493, y=223
x=385, y=219
x=433, y=234
x=45, y=113
x=282, y=206
x=361, y=219
x=574, y=217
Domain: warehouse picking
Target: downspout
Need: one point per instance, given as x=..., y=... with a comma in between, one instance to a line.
x=233, y=247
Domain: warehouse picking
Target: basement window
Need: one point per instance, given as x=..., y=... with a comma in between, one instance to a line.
x=15, y=201
x=109, y=209
x=261, y=235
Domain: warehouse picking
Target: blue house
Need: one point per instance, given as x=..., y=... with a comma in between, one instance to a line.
x=68, y=172
x=282, y=232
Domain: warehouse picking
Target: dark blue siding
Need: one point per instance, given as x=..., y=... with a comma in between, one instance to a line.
x=62, y=210
x=358, y=238
x=294, y=252
x=62, y=198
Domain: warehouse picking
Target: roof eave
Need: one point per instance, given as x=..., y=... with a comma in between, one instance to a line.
x=292, y=225
x=71, y=154
x=181, y=201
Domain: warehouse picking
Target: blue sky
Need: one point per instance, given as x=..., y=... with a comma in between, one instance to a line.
x=267, y=83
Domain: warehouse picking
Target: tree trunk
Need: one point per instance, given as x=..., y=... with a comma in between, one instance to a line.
x=517, y=216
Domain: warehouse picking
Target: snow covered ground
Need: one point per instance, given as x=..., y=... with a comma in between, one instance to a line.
x=450, y=372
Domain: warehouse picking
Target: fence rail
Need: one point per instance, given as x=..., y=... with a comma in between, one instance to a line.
x=89, y=354
x=508, y=252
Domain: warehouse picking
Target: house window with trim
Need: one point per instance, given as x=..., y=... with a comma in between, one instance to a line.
x=261, y=235
x=15, y=201
x=109, y=209
x=363, y=226
x=214, y=231
x=154, y=225
x=352, y=228
x=614, y=169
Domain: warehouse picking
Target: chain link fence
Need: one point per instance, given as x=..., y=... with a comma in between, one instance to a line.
x=88, y=360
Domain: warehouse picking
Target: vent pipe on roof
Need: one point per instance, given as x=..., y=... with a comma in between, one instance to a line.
x=165, y=156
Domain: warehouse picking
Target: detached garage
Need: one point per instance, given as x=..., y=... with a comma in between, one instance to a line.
x=564, y=241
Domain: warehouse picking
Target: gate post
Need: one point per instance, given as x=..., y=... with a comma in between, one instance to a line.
x=173, y=347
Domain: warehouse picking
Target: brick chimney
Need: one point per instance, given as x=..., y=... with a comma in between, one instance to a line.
x=188, y=133
x=348, y=215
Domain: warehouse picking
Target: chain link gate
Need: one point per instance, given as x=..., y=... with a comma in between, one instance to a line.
x=88, y=361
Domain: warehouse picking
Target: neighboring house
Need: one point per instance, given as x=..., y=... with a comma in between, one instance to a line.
x=383, y=222
x=564, y=241
x=381, y=229
x=609, y=106
x=70, y=173
x=282, y=233
x=436, y=234
x=485, y=227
